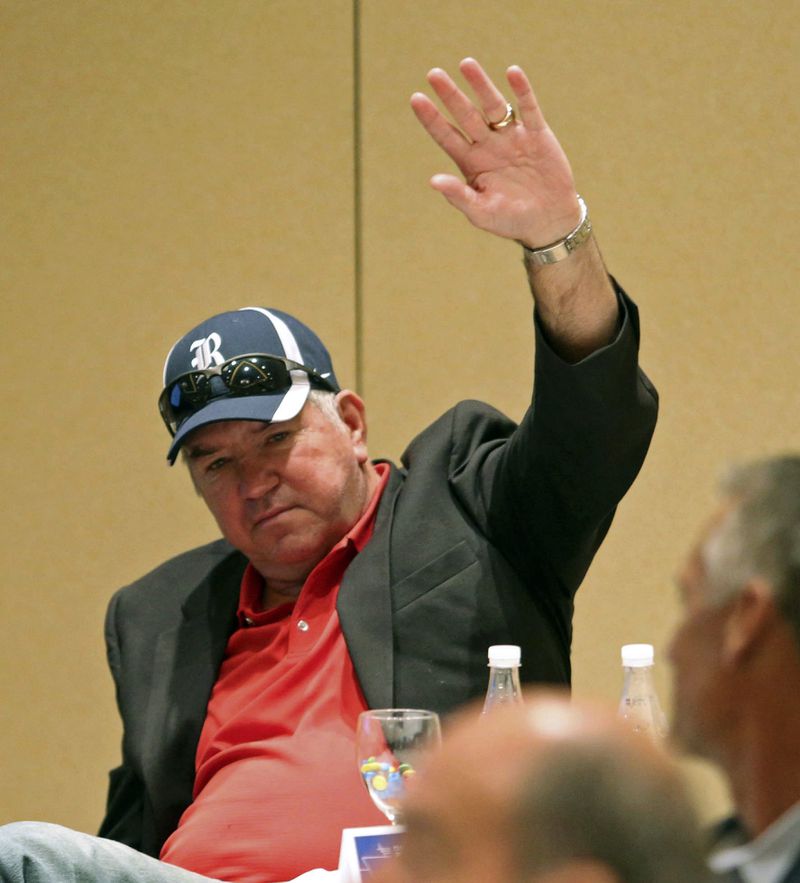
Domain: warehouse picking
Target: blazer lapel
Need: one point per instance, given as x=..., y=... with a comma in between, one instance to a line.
x=364, y=605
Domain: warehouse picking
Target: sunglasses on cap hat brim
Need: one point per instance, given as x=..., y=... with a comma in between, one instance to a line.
x=252, y=374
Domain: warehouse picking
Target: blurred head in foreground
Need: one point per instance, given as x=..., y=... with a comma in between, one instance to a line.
x=554, y=791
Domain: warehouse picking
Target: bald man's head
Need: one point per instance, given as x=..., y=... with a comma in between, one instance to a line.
x=551, y=792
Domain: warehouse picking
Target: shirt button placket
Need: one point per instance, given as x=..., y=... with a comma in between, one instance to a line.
x=300, y=641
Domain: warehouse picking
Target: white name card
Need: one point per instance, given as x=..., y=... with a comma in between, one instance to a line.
x=364, y=850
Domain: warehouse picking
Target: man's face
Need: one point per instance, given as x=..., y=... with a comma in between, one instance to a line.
x=284, y=493
x=702, y=686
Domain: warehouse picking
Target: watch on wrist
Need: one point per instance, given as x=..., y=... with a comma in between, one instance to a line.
x=557, y=251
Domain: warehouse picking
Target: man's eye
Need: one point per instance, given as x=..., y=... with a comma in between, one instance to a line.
x=216, y=465
x=277, y=437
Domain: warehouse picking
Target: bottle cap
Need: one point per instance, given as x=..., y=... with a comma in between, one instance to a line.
x=504, y=655
x=637, y=655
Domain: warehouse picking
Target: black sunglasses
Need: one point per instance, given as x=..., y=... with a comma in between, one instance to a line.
x=248, y=375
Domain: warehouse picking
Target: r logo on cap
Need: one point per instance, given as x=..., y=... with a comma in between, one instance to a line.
x=204, y=354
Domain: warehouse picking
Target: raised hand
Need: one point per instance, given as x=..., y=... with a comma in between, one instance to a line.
x=517, y=181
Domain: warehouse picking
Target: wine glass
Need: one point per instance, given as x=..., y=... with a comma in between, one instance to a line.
x=388, y=743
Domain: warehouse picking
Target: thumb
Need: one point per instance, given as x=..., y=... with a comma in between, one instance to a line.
x=457, y=193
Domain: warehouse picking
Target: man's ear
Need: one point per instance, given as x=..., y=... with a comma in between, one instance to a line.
x=354, y=416
x=753, y=614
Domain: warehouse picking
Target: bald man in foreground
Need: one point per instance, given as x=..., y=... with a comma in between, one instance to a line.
x=550, y=792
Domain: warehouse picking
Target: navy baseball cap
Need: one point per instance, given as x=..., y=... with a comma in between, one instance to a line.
x=247, y=364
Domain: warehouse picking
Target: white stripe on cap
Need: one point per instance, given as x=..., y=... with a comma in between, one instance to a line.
x=288, y=340
x=295, y=398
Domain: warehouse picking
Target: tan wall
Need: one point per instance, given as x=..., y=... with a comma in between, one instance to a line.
x=162, y=161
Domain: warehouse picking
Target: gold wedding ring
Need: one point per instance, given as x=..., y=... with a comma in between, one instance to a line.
x=507, y=120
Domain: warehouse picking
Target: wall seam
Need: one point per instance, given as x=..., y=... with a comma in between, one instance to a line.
x=358, y=280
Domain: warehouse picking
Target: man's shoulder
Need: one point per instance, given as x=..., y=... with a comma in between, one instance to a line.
x=183, y=572
x=461, y=428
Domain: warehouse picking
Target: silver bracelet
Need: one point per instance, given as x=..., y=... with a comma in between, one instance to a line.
x=551, y=254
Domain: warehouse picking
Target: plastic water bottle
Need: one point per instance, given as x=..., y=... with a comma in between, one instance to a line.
x=639, y=703
x=504, y=688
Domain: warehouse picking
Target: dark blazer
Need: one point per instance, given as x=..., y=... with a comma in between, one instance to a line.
x=482, y=537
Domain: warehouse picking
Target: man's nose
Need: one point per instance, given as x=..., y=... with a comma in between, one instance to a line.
x=257, y=477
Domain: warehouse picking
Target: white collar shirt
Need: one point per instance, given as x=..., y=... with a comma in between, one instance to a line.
x=768, y=858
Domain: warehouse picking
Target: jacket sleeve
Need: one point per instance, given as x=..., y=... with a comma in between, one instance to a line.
x=547, y=492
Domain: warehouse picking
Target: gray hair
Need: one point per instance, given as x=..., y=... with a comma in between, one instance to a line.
x=593, y=801
x=325, y=402
x=760, y=535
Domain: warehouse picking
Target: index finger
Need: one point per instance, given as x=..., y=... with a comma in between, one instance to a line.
x=451, y=139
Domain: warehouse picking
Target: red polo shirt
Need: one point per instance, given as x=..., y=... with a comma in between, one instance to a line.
x=277, y=776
